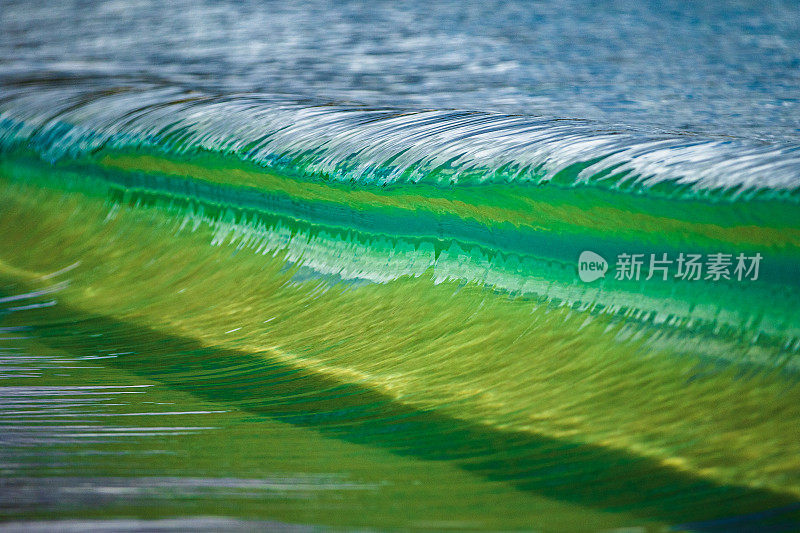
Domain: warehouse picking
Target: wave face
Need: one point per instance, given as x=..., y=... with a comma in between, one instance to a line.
x=255, y=276
x=425, y=265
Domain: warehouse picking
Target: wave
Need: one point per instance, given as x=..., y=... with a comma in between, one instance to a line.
x=507, y=202
x=430, y=257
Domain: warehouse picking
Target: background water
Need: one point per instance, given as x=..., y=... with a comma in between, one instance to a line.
x=312, y=265
x=721, y=68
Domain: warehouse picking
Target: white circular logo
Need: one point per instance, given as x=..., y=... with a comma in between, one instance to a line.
x=591, y=266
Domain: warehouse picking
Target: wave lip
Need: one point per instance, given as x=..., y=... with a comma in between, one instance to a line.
x=382, y=147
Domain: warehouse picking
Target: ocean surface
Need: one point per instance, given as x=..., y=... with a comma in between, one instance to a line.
x=310, y=266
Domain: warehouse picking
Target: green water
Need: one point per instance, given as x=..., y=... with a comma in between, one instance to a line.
x=388, y=358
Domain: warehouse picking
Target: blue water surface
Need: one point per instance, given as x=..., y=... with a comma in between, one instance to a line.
x=728, y=68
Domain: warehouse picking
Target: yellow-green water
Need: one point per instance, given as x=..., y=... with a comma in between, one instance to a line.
x=332, y=372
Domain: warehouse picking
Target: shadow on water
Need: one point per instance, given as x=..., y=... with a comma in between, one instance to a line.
x=585, y=474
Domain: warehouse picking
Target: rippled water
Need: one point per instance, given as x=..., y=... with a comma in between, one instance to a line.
x=284, y=266
x=727, y=68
